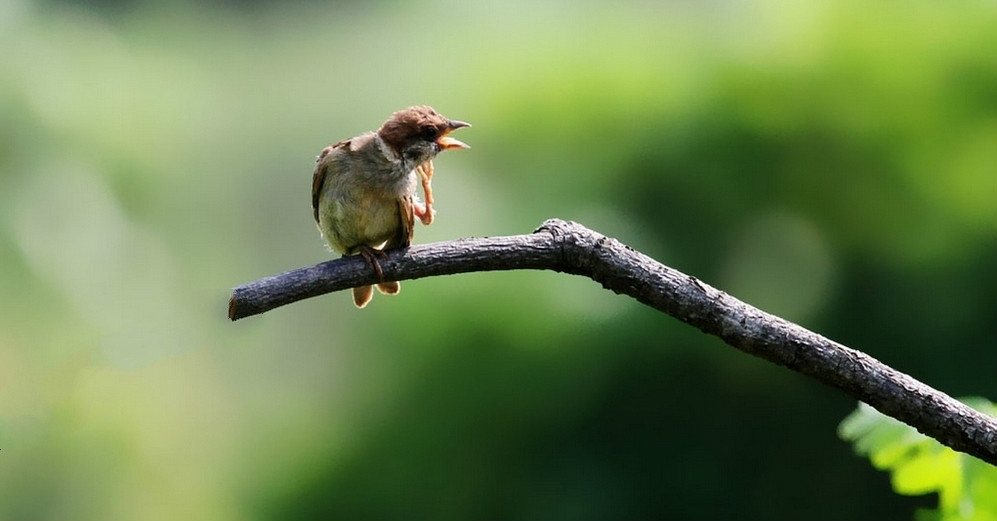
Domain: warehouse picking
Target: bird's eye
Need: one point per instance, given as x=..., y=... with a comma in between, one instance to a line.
x=430, y=133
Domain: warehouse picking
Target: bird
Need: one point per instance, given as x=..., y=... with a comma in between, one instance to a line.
x=363, y=188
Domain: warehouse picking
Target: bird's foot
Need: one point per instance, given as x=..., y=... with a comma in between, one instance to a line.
x=426, y=170
x=424, y=212
x=371, y=255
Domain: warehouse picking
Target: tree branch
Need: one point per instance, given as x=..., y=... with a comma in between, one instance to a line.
x=571, y=248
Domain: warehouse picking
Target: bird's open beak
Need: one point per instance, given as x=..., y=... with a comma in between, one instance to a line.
x=446, y=142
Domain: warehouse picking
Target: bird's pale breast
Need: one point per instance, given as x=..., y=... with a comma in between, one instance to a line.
x=359, y=200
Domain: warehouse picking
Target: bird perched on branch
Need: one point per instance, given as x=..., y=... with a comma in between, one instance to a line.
x=363, y=189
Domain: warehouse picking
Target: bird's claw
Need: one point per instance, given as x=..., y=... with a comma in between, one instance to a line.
x=426, y=213
x=426, y=170
x=371, y=255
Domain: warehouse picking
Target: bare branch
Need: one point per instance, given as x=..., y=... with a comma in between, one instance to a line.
x=571, y=248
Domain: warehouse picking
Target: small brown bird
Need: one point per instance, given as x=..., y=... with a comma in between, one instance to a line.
x=363, y=189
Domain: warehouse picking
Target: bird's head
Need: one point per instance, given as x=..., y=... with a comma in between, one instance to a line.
x=417, y=134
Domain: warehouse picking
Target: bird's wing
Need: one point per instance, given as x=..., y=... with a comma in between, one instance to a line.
x=321, y=167
x=406, y=225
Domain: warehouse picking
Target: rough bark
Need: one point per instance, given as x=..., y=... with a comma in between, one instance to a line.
x=568, y=247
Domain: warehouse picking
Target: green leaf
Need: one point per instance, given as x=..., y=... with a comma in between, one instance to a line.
x=966, y=486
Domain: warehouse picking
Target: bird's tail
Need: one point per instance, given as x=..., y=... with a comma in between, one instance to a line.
x=363, y=294
x=389, y=288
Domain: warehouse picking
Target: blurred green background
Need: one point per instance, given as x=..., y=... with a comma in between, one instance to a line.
x=832, y=162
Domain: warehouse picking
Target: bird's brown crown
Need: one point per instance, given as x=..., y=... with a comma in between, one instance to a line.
x=411, y=124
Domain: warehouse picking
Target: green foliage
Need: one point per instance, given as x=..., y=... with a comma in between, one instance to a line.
x=966, y=486
x=830, y=161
